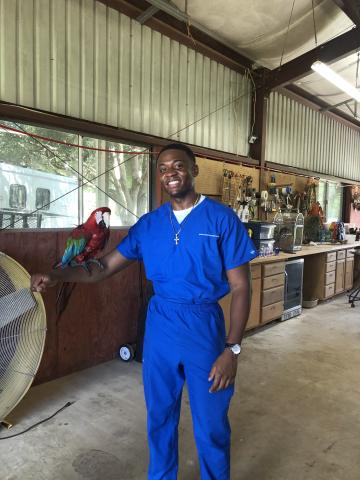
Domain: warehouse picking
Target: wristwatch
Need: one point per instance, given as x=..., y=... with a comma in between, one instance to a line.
x=234, y=347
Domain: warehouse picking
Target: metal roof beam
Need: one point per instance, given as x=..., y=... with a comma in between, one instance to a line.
x=144, y=17
x=329, y=52
x=170, y=9
x=351, y=8
x=199, y=39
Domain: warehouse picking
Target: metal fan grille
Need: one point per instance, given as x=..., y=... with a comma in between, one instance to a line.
x=22, y=333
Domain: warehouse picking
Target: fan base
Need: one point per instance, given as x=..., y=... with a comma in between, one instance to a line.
x=6, y=424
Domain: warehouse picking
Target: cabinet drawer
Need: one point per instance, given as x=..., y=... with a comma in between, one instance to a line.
x=329, y=290
x=273, y=268
x=329, y=267
x=272, y=295
x=331, y=256
x=273, y=281
x=255, y=271
x=341, y=254
x=271, y=312
x=350, y=253
x=330, y=277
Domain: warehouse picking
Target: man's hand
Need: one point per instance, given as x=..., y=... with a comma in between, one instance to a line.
x=41, y=281
x=223, y=371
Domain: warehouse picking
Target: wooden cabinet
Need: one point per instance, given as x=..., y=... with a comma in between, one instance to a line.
x=254, y=315
x=341, y=255
x=330, y=256
x=327, y=274
x=340, y=276
x=349, y=273
x=272, y=295
x=330, y=277
x=272, y=312
x=319, y=276
x=329, y=290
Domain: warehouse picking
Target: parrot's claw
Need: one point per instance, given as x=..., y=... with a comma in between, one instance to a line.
x=96, y=261
x=81, y=264
x=86, y=265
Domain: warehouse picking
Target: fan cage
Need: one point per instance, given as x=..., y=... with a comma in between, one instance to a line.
x=22, y=333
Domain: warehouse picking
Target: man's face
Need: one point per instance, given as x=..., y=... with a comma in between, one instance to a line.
x=176, y=172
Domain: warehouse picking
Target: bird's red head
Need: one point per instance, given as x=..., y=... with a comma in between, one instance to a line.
x=100, y=216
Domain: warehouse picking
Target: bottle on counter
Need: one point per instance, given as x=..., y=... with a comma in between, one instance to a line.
x=245, y=214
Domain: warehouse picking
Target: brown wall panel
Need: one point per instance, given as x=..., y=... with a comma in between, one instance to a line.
x=98, y=317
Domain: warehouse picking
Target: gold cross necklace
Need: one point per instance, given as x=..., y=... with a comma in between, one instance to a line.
x=177, y=233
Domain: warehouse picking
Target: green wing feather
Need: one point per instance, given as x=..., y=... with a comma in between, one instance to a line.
x=74, y=246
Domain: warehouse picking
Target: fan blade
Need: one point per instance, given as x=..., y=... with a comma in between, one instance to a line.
x=15, y=304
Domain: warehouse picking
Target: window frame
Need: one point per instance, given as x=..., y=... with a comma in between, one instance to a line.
x=44, y=206
x=19, y=187
x=327, y=184
x=80, y=133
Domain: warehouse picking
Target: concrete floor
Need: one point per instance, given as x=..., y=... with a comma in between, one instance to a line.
x=295, y=415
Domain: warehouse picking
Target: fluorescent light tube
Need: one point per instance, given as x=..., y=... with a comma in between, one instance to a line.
x=336, y=79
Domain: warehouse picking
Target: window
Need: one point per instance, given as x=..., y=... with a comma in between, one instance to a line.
x=330, y=196
x=61, y=184
x=42, y=199
x=17, y=196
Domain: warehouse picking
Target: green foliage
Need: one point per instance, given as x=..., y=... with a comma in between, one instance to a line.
x=312, y=229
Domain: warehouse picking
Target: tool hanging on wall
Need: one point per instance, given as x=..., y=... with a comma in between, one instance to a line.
x=238, y=194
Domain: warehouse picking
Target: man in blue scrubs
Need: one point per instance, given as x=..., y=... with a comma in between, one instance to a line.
x=194, y=250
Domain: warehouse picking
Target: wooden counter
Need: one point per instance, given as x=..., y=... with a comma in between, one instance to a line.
x=328, y=273
x=306, y=250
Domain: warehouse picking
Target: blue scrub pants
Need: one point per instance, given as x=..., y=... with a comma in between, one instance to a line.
x=182, y=341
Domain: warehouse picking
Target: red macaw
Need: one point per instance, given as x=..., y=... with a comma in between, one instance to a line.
x=87, y=240
x=82, y=246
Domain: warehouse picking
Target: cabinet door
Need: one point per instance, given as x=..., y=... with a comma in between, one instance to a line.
x=254, y=316
x=349, y=273
x=340, y=277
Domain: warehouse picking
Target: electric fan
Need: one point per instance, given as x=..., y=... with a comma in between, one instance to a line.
x=22, y=333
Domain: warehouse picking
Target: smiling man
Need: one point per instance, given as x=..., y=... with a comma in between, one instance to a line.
x=194, y=251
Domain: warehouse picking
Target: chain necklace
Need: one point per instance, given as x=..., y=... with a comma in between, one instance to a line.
x=177, y=233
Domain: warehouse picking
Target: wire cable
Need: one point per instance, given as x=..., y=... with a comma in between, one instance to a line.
x=67, y=144
x=314, y=22
x=287, y=32
x=68, y=404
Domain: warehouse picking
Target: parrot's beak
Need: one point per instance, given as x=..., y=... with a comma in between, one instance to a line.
x=106, y=219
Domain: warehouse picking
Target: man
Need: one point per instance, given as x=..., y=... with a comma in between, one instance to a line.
x=192, y=249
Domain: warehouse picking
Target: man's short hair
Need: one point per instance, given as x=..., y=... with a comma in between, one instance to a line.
x=178, y=146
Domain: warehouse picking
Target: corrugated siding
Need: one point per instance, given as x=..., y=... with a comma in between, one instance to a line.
x=301, y=137
x=83, y=59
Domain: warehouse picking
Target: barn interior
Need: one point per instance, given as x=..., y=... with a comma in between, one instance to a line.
x=90, y=91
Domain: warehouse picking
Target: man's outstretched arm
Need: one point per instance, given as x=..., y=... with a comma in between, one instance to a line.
x=112, y=263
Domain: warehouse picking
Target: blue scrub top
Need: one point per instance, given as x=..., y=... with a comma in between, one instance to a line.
x=212, y=241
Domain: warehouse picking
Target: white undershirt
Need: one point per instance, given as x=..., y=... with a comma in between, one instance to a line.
x=182, y=214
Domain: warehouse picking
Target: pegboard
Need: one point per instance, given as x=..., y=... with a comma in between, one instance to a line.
x=210, y=178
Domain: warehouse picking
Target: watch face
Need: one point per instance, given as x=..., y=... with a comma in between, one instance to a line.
x=236, y=349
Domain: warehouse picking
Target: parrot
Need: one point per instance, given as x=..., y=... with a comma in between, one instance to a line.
x=82, y=246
